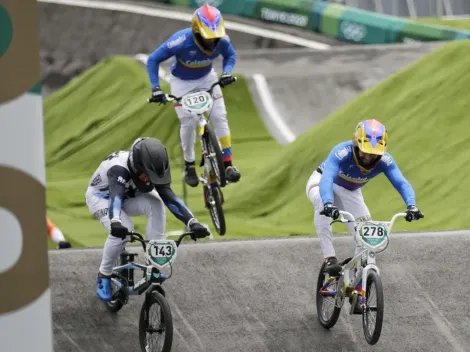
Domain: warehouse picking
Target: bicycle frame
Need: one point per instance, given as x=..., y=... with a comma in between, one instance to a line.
x=152, y=276
x=202, y=121
x=346, y=286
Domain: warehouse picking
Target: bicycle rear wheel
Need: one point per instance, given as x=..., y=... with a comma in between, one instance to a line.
x=327, y=312
x=152, y=325
x=216, y=211
x=216, y=159
x=372, y=324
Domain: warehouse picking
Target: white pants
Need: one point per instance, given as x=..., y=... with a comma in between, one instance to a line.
x=148, y=204
x=350, y=201
x=218, y=114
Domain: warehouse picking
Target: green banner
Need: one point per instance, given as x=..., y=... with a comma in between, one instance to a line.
x=363, y=27
x=238, y=7
x=413, y=31
x=333, y=20
x=330, y=16
x=185, y=3
x=295, y=15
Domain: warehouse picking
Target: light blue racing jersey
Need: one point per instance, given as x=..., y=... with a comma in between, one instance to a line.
x=340, y=168
x=190, y=62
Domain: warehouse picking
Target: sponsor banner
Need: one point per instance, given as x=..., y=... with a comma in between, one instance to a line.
x=364, y=27
x=329, y=16
x=288, y=13
x=333, y=20
x=238, y=7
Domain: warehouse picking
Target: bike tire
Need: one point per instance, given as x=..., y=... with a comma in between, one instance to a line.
x=156, y=298
x=331, y=321
x=217, y=213
x=374, y=278
x=115, y=306
x=212, y=146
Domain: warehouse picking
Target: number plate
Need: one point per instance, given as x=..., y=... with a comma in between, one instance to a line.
x=161, y=253
x=372, y=233
x=197, y=102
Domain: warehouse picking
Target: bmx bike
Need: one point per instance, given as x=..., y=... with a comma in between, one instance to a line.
x=158, y=254
x=374, y=237
x=197, y=103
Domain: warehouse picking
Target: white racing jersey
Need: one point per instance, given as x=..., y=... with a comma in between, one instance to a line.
x=113, y=180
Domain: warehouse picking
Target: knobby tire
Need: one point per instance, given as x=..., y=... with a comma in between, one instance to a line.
x=166, y=317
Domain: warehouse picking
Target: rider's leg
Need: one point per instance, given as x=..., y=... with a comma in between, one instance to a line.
x=322, y=224
x=112, y=247
x=151, y=205
x=218, y=116
x=353, y=202
x=187, y=128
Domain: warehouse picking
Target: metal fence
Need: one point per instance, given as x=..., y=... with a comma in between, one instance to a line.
x=412, y=8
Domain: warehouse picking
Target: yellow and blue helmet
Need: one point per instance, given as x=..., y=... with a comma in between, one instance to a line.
x=371, y=137
x=208, y=27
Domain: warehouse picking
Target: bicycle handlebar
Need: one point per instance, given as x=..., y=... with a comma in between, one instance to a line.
x=351, y=217
x=135, y=236
x=175, y=98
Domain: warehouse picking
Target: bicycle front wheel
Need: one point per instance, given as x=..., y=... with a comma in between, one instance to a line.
x=327, y=312
x=215, y=155
x=155, y=324
x=372, y=317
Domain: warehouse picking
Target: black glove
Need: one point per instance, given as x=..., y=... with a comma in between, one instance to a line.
x=226, y=79
x=118, y=230
x=198, y=230
x=158, y=96
x=413, y=213
x=330, y=210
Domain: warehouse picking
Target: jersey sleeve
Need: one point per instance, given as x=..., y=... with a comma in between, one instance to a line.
x=118, y=176
x=401, y=184
x=162, y=53
x=176, y=205
x=330, y=171
x=228, y=54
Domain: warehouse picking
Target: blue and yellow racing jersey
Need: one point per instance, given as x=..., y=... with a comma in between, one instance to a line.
x=340, y=167
x=190, y=61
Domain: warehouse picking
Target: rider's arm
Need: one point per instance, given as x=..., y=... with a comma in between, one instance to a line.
x=118, y=176
x=401, y=184
x=229, y=55
x=330, y=171
x=176, y=205
x=162, y=53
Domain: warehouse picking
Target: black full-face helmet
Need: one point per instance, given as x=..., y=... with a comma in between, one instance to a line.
x=148, y=161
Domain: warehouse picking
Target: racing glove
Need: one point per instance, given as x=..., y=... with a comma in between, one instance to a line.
x=158, y=96
x=331, y=211
x=118, y=230
x=413, y=213
x=226, y=79
x=198, y=230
